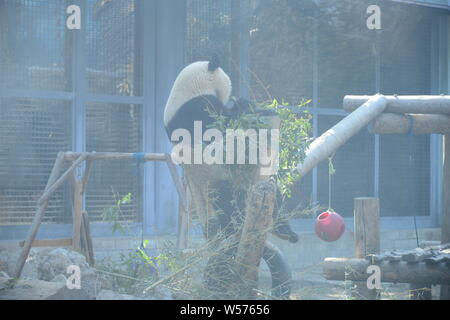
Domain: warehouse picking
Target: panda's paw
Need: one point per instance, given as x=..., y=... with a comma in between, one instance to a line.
x=283, y=231
x=241, y=106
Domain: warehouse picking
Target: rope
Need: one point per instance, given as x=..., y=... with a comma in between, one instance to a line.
x=411, y=163
x=331, y=171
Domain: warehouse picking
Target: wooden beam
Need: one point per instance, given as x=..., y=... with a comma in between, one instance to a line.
x=49, y=243
x=367, y=238
x=445, y=221
x=48, y=192
x=391, y=123
x=38, y=217
x=325, y=145
x=405, y=104
x=87, y=236
x=401, y=272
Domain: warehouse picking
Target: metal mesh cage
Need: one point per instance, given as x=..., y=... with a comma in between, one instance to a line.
x=32, y=133
x=114, y=55
x=114, y=128
x=208, y=31
x=35, y=50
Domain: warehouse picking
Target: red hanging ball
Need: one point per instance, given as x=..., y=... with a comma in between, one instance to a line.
x=329, y=226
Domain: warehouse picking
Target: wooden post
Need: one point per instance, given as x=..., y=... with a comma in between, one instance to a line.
x=38, y=217
x=77, y=212
x=86, y=231
x=367, y=237
x=258, y=218
x=445, y=224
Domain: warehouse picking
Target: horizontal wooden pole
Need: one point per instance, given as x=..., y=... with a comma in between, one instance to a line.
x=391, y=123
x=50, y=243
x=401, y=272
x=405, y=104
x=70, y=156
x=61, y=179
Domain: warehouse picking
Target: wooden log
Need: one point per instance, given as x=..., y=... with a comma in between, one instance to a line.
x=367, y=238
x=50, y=243
x=405, y=104
x=71, y=156
x=177, y=181
x=61, y=180
x=77, y=212
x=38, y=217
x=391, y=123
x=258, y=219
x=325, y=145
x=401, y=272
x=445, y=224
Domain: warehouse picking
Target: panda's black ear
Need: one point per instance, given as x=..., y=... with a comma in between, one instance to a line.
x=214, y=63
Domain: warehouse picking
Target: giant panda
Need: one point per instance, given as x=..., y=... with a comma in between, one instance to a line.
x=204, y=85
x=199, y=86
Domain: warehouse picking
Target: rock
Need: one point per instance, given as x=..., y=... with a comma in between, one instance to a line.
x=53, y=262
x=111, y=295
x=60, y=278
x=32, y=289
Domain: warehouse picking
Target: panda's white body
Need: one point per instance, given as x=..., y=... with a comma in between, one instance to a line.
x=199, y=79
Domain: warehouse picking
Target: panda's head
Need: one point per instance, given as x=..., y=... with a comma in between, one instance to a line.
x=197, y=79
